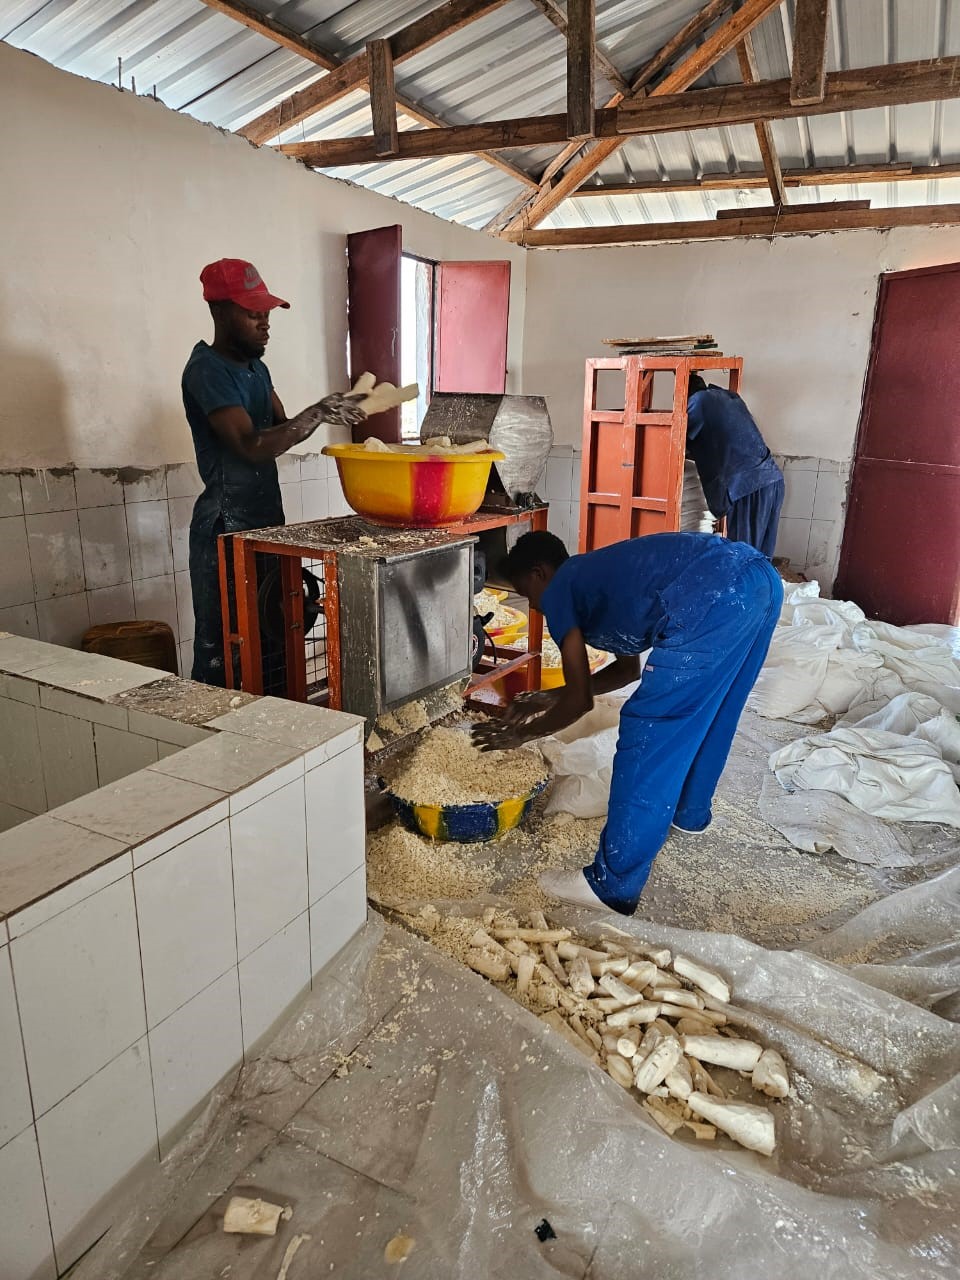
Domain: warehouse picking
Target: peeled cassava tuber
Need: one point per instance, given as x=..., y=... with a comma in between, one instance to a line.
x=747, y=1124
x=679, y=1081
x=723, y=1051
x=705, y=979
x=654, y=1068
x=619, y=1069
x=581, y=979
x=634, y=1016
x=770, y=1075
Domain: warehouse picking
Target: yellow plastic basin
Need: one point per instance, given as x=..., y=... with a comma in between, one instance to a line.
x=416, y=491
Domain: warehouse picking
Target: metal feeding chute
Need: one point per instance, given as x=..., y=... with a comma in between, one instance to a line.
x=518, y=426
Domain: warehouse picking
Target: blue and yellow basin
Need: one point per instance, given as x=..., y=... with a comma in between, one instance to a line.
x=465, y=823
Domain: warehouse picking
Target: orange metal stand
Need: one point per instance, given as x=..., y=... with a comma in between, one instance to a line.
x=631, y=480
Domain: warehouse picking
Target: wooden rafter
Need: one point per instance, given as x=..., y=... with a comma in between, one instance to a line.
x=696, y=63
x=770, y=211
x=352, y=74
x=553, y=13
x=808, y=79
x=580, y=69
x=834, y=175
x=768, y=152
x=788, y=221
x=309, y=49
x=675, y=46
x=383, y=98
x=904, y=82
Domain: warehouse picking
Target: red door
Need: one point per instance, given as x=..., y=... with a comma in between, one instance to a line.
x=473, y=301
x=900, y=559
x=373, y=318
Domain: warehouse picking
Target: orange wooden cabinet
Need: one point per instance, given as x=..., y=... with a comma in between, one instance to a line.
x=631, y=479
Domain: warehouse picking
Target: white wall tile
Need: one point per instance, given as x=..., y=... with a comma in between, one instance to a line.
x=800, y=464
x=20, y=620
x=558, y=479
x=183, y=480
x=111, y=604
x=334, y=919
x=11, y=499
x=91, y=1143
x=149, y=485
x=800, y=488
x=26, y=1246
x=56, y=559
x=184, y=592
x=336, y=825
x=186, y=917
x=830, y=495
x=106, y=553
x=269, y=865
x=185, y=652
x=181, y=513
x=94, y=861
x=79, y=989
x=793, y=537
x=155, y=600
x=16, y=1112
x=316, y=499
x=148, y=531
x=64, y=620
x=97, y=488
x=247, y=767
x=288, y=468
x=822, y=547
x=313, y=466
x=45, y=491
x=69, y=763
x=16, y=580
x=119, y=752
x=191, y=1052
x=292, y=497
x=272, y=978
x=21, y=765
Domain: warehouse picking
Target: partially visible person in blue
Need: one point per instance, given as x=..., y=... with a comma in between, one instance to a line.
x=739, y=476
x=239, y=428
x=707, y=608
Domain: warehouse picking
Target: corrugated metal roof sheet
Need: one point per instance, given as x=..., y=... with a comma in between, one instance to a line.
x=511, y=63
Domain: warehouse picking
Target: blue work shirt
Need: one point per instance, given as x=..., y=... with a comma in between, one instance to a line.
x=730, y=454
x=631, y=595
x=245, y=495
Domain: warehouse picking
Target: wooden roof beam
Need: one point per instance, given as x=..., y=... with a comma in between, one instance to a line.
x=883, y=86
x=581, y=85
x=383, y=98
x=353, y=74
x=719, y=42
x=749, y=74
x=788, y=221
x=254, y=20
x=808, y=80
x=553, y=13
x=833, y=175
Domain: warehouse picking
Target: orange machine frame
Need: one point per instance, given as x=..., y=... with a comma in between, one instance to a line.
x=631, y=480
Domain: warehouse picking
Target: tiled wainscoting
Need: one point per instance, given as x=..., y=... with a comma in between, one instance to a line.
x=84, y=547
x=153, y=930
x=811, y=524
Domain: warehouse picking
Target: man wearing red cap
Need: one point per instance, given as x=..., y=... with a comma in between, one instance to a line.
x=239, y=428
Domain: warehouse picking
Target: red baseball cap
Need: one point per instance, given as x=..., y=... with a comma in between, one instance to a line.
x=233, y=280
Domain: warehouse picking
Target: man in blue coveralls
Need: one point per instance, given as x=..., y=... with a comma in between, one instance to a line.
x=739, y=477
x=707, y=608
x=239, y=428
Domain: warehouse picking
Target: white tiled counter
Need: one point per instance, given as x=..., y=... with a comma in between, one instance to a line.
x=154, y=928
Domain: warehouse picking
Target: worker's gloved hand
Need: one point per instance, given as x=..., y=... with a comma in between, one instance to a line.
x=527, y=707
x=341, y=409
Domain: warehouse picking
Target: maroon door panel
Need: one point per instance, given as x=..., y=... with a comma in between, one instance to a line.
x=473, y=301
x=373, y=318
x=900, y=559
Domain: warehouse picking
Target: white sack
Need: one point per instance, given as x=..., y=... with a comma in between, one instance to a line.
x=886, y=774
x=914, y=715
x=581, y=759
x=794, y=670
x=818, y=821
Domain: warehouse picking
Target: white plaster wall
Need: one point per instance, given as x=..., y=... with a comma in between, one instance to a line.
x=112, y=205
x=799, y=309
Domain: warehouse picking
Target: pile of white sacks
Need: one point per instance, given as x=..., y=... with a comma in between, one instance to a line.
x=894, y=751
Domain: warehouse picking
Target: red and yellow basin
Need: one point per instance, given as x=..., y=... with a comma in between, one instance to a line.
x=412, y=490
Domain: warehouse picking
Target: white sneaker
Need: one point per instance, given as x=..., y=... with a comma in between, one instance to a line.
x=570, y=886
x=687, y=832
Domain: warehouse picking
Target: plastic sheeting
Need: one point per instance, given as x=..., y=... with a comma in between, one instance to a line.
x=411, y=1097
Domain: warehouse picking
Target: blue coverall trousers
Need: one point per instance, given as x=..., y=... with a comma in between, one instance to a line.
x=756, y=517
x=677, y=729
